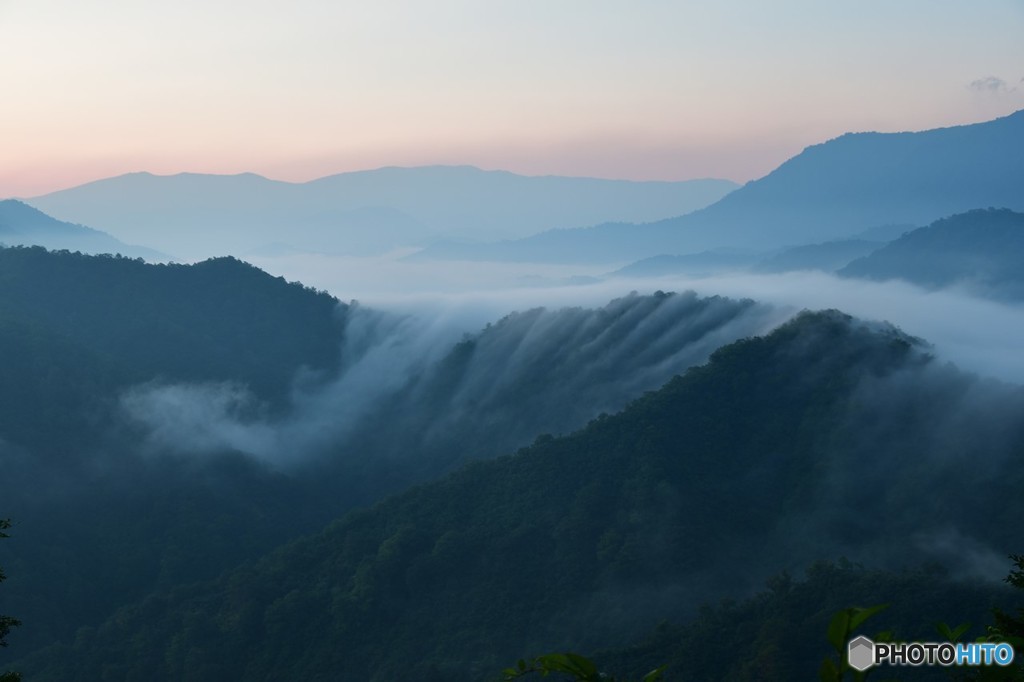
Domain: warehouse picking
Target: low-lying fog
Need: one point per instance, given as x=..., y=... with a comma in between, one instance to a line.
x=977, y=334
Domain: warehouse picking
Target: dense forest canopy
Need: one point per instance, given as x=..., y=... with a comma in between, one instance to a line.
x=293, y=486
x=139, y=389
x=829, y=436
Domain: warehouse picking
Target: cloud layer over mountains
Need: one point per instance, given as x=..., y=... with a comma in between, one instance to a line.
x=407, y=383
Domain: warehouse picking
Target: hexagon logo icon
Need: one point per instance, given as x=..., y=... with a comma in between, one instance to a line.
x=860, y=653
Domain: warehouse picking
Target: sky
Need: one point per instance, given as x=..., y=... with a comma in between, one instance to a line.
x=643, y=90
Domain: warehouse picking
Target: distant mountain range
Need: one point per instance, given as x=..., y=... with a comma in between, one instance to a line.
x=836, y=191
x=22, y=225
x=703, y=264
x=194, y=216
x=826, y=257
x=983, y=250
x=830, y=191
x=980, y=250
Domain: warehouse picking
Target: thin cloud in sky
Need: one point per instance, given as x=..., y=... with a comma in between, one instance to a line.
x=990, y=84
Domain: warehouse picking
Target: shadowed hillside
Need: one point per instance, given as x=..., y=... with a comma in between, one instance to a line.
x=828, y=436
x=184, y=419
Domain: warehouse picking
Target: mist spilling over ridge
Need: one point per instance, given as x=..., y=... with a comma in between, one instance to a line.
x=812, y=439
x=403, y=424
x=301, y=398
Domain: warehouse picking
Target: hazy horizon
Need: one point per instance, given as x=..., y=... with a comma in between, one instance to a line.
x=355, y=171
x=648, y=92
x=765, y=166
x=296, y=180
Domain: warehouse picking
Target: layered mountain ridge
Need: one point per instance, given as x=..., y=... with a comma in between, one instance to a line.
x=830, y=191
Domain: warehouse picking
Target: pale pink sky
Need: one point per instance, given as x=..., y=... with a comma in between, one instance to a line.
x=642, y=90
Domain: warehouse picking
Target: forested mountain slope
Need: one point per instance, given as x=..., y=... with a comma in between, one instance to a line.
x=828, y=436
x=77, y=328
x=168, y=422
x=76, y=333
x=983, y=250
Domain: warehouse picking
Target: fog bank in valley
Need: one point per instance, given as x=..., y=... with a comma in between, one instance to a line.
x=977, y=334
